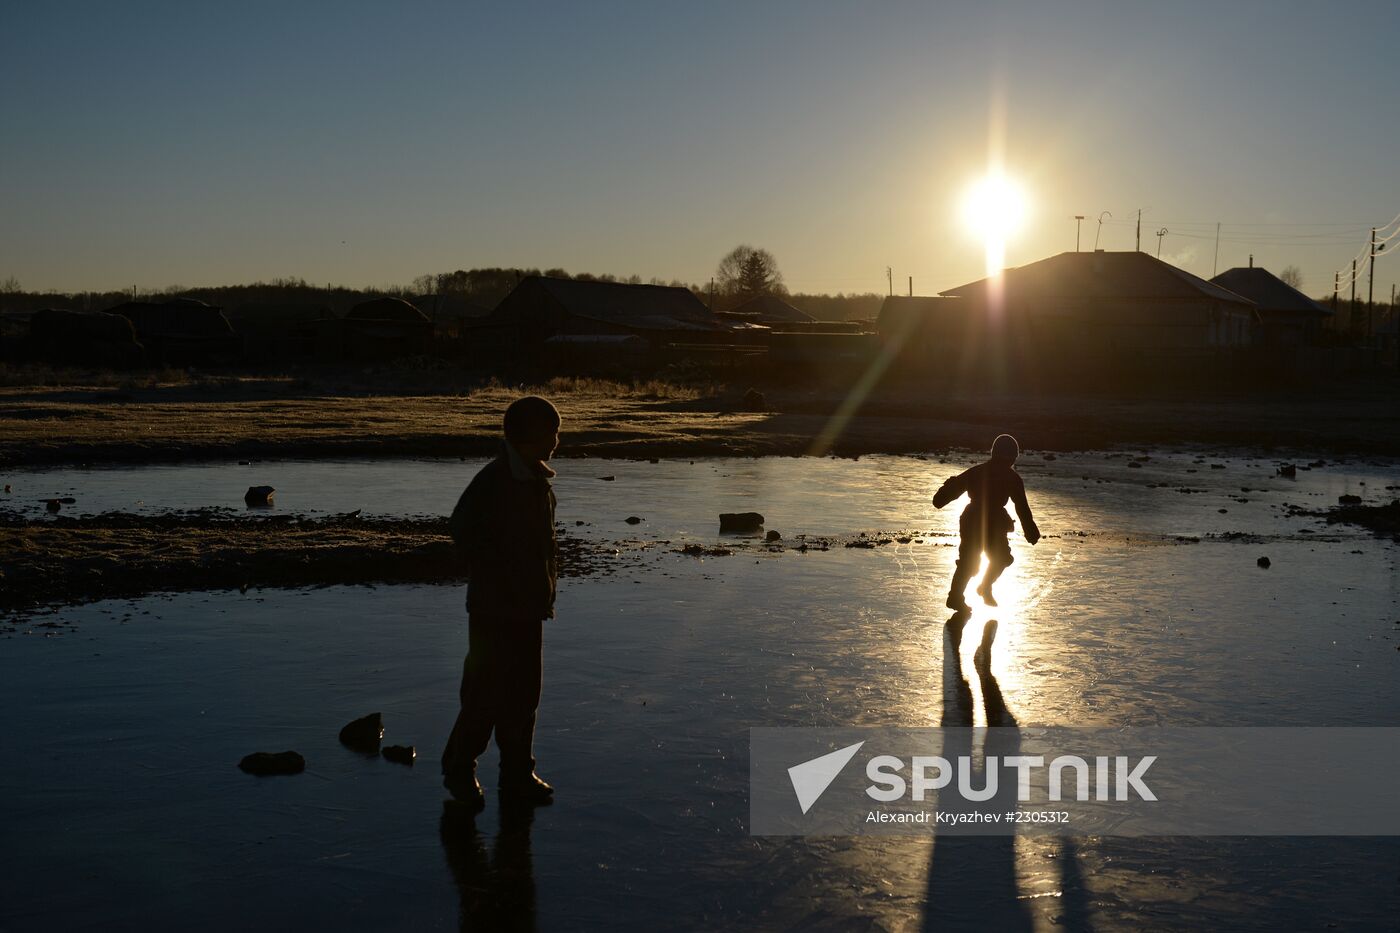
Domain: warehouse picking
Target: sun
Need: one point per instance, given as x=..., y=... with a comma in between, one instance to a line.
x=994, y=208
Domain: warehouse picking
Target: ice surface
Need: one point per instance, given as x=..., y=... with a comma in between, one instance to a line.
x=125, y=808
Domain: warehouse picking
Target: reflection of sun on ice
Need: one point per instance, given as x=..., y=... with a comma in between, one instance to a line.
x=1012, y=592
x=1017, y=592
x=994, y=208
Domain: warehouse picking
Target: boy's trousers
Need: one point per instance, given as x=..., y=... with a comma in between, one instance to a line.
x=501, y=692
x=982, y=531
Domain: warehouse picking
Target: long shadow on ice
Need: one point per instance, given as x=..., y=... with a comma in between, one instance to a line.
x=972, y=879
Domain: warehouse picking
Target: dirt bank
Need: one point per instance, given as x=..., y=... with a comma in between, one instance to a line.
x=115, y=555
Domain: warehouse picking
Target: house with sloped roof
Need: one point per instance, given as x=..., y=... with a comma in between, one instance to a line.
x=918, y=331
x=541, y=307
x=1109, y=303
x=768, y=310
x=1286, y=315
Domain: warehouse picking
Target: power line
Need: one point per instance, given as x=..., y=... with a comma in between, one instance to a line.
x=1362, y=224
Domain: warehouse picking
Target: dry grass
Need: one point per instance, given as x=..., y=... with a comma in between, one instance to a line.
x=571, y=387
x=16, y=375
x=217, y=417
x=167, y=422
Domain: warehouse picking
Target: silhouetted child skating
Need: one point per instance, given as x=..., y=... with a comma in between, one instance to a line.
x=984, y=524
x=504, y=524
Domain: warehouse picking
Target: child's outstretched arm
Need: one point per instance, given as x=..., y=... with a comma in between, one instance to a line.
x=1023, y=511
x=952, y=488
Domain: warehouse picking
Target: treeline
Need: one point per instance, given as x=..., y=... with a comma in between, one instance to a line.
x=482, y=288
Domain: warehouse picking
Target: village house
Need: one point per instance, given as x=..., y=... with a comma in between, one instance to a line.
x=770, y=311
x=1068, y=317
x=917, y=331
x=1286, y=315
x=1112, y=303
x=541, y=307
x=551, y=318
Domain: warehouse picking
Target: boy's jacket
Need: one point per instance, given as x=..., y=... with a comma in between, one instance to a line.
x=504, y=523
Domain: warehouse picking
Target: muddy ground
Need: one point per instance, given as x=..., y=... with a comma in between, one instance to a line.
x=66, y=561
x=113, y=555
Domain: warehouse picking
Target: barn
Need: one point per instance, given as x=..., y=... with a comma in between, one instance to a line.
x=281, y=331
x=64, y=337
x=541, y=307
x=384, y=329
x=182, y=331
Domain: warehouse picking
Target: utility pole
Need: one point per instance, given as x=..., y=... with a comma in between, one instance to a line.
x=1160, y=233
x=1078, y=219
x=1371, y=285
x=1215, y=269
x=911, y=286
x=1138, y=248
x=889, y=277
x=1353, y=295
x=1336, y=280
x=1102, y=215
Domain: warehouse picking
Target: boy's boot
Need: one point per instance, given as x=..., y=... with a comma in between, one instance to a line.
x=985, y=591
x=956, y=601
x=523, y=786
x=466, y=789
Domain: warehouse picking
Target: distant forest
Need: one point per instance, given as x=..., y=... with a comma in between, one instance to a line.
x=476, y=290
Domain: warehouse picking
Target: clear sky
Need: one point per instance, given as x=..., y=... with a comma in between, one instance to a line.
x=366, y=143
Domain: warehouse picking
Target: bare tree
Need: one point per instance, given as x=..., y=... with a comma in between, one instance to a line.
x=748, y=272
x=1291, y=276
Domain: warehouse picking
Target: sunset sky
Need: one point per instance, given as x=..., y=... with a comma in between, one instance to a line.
x=366, y=143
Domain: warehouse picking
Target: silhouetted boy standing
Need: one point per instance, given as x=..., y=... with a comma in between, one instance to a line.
x=984, y=524
x=504, y=522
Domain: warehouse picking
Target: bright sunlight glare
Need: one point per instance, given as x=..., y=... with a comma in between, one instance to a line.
x=994, y=208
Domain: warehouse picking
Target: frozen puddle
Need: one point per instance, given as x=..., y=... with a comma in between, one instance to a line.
x=125, y=807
